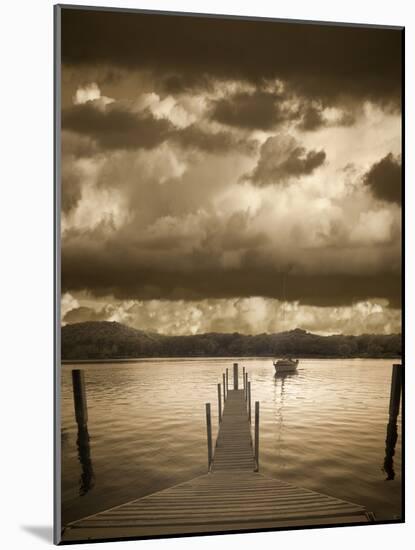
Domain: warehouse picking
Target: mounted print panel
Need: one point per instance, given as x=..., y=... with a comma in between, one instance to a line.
x=229, y=251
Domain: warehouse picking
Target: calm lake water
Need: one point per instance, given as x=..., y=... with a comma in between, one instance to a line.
x=323, y=429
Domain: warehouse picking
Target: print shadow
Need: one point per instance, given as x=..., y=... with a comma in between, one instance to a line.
x=42, y=532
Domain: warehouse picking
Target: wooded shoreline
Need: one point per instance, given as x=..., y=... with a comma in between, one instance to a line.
x=114, y=342
x=122, y=360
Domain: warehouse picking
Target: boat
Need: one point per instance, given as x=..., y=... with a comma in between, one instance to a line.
x=285, y=365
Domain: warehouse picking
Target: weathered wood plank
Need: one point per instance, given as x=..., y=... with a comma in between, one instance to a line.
x=217, y=501
x=131, y=531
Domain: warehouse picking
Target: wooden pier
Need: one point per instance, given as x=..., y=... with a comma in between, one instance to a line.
x=233, y=450
x=232, y=496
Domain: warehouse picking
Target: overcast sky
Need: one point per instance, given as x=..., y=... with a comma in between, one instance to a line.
x=222, y=175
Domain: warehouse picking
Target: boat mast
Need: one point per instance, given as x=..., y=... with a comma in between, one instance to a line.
x=283, y=298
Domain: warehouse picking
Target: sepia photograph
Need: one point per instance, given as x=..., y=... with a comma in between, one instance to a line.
x=229, y=196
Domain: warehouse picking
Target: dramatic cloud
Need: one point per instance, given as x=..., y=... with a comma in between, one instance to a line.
x=251, y=315
x=76, y=146
x=71, y=185
x=83, y=313
x=114, y=127
x=283, y=158
x=247, y=182
x=384, y=179
x=194, y=137
x=162, y=224
x=314, y=117
x=96, y=121
x=258, y=110
x=328, y=61
x=90, y=92
x=201, y=255
x=68, y=303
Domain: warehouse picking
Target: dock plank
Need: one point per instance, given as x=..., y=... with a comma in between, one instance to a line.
x=219, y=502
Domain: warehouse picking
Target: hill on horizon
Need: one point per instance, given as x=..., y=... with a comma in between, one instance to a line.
x=113, y=340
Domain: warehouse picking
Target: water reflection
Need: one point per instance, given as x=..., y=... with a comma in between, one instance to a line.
x=280, y=381
x=283, y=375
x=391, y=439
x=392, y=428
x=87, y=479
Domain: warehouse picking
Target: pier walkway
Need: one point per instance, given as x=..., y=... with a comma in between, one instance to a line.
x=232, y=496
x=233, y=449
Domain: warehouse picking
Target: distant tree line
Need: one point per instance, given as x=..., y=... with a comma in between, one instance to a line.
x=110, y=340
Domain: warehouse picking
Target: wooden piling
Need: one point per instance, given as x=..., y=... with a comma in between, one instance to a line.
x=209, y=434
x=249, y=401
x=392, y=427
x=246, y=386
x=243, y=378
x=390, y=442
x=219, y=404
x=224, y=388
x=82, y=440
x=79, y=397
x=87, y=479
x=227, y=381
x=235, y=376
x=257, y=435
x=396, y=390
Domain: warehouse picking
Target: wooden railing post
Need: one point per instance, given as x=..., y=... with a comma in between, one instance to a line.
x=224, y=388
x=235, y=376
x=243, y=378
x=209, y=434
x=257, y=435
x=246, y=386
x=249, y=401
x=227, y=382
x=79, y=397
x=219, y=404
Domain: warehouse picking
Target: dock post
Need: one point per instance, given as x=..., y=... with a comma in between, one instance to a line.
x=390, y=444
x=257, y=435
x=209, y=434
x=243, y=378
x=224, y=388
x=235, y=376
x=227, y=382
x=219, y=404
x=79, y=397
x=246, y=386
x=392, y=427
x=396, y=389
x=249, y=401
x=82, y=440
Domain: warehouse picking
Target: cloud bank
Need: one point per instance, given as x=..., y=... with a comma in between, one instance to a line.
x=225, y=174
